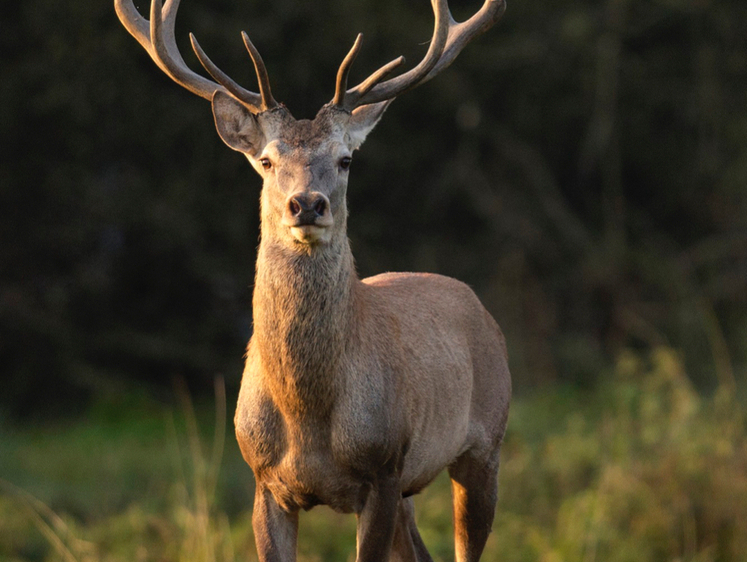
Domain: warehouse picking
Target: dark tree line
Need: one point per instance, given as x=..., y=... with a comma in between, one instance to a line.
x=583, y=166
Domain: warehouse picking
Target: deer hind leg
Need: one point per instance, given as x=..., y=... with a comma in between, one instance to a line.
x=407, y=545
x=474, y=485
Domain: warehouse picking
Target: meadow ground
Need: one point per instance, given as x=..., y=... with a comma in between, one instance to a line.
x=642, y=468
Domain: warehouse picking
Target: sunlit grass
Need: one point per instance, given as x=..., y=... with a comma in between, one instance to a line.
x=641, y=469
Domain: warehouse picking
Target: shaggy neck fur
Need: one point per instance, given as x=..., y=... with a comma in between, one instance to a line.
x=302, y=317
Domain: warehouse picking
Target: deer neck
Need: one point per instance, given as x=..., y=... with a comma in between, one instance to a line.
x=303, y=314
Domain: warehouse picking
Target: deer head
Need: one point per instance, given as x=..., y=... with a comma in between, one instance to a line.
x=304, y=163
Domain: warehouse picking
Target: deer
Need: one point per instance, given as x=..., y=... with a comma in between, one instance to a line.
x=356, y=393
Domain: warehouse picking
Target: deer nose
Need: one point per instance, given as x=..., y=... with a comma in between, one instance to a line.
x=308, y=208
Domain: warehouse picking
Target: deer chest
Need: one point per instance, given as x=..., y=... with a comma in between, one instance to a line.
x=310, y=460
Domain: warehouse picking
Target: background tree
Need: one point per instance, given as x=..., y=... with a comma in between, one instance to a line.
x=583, y=166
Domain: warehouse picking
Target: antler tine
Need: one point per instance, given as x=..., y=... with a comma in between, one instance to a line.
x=391, y=88
x=165, y=51
x=449, y=38
x=248, y=98
x=367, y=85
x=134, y=23
x=268, y=102
x=342, y=74
x=157, y=37
x=349, y=100
x=462, y=33
x=139, y=28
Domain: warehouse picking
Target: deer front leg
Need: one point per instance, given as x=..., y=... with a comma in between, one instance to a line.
x=275, y=530
x=377, y=520
x=407, y=545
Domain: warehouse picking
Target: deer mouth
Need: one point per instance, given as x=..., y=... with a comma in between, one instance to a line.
x=310, y=230
x=311, y=233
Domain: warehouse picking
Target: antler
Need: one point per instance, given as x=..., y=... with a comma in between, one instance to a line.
x=158, y=39
x=449, y=38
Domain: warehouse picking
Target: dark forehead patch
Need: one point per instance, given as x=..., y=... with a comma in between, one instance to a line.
x=306, y=133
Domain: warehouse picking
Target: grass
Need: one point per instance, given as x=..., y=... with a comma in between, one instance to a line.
x=643, y=468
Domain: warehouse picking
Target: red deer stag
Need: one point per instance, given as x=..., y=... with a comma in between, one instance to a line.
x=356, y=393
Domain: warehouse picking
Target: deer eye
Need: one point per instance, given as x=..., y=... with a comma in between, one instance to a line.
x=345, y=162
x=266, y=164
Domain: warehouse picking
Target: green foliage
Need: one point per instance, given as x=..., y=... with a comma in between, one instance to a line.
x=657, y=473
x=583, y=166
x=643, y=469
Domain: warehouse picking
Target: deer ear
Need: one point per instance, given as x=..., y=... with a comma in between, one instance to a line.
x=236, y=125
x=363, y=120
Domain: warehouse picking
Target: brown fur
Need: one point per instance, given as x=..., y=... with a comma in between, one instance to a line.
x=357, y=393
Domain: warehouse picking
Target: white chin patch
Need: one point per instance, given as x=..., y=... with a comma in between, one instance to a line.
x=310, y=234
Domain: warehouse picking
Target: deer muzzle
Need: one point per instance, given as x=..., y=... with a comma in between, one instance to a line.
x=308, y=215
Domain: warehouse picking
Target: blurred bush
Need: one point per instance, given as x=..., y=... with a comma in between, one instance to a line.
x=658, y=473
x=583, y=166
